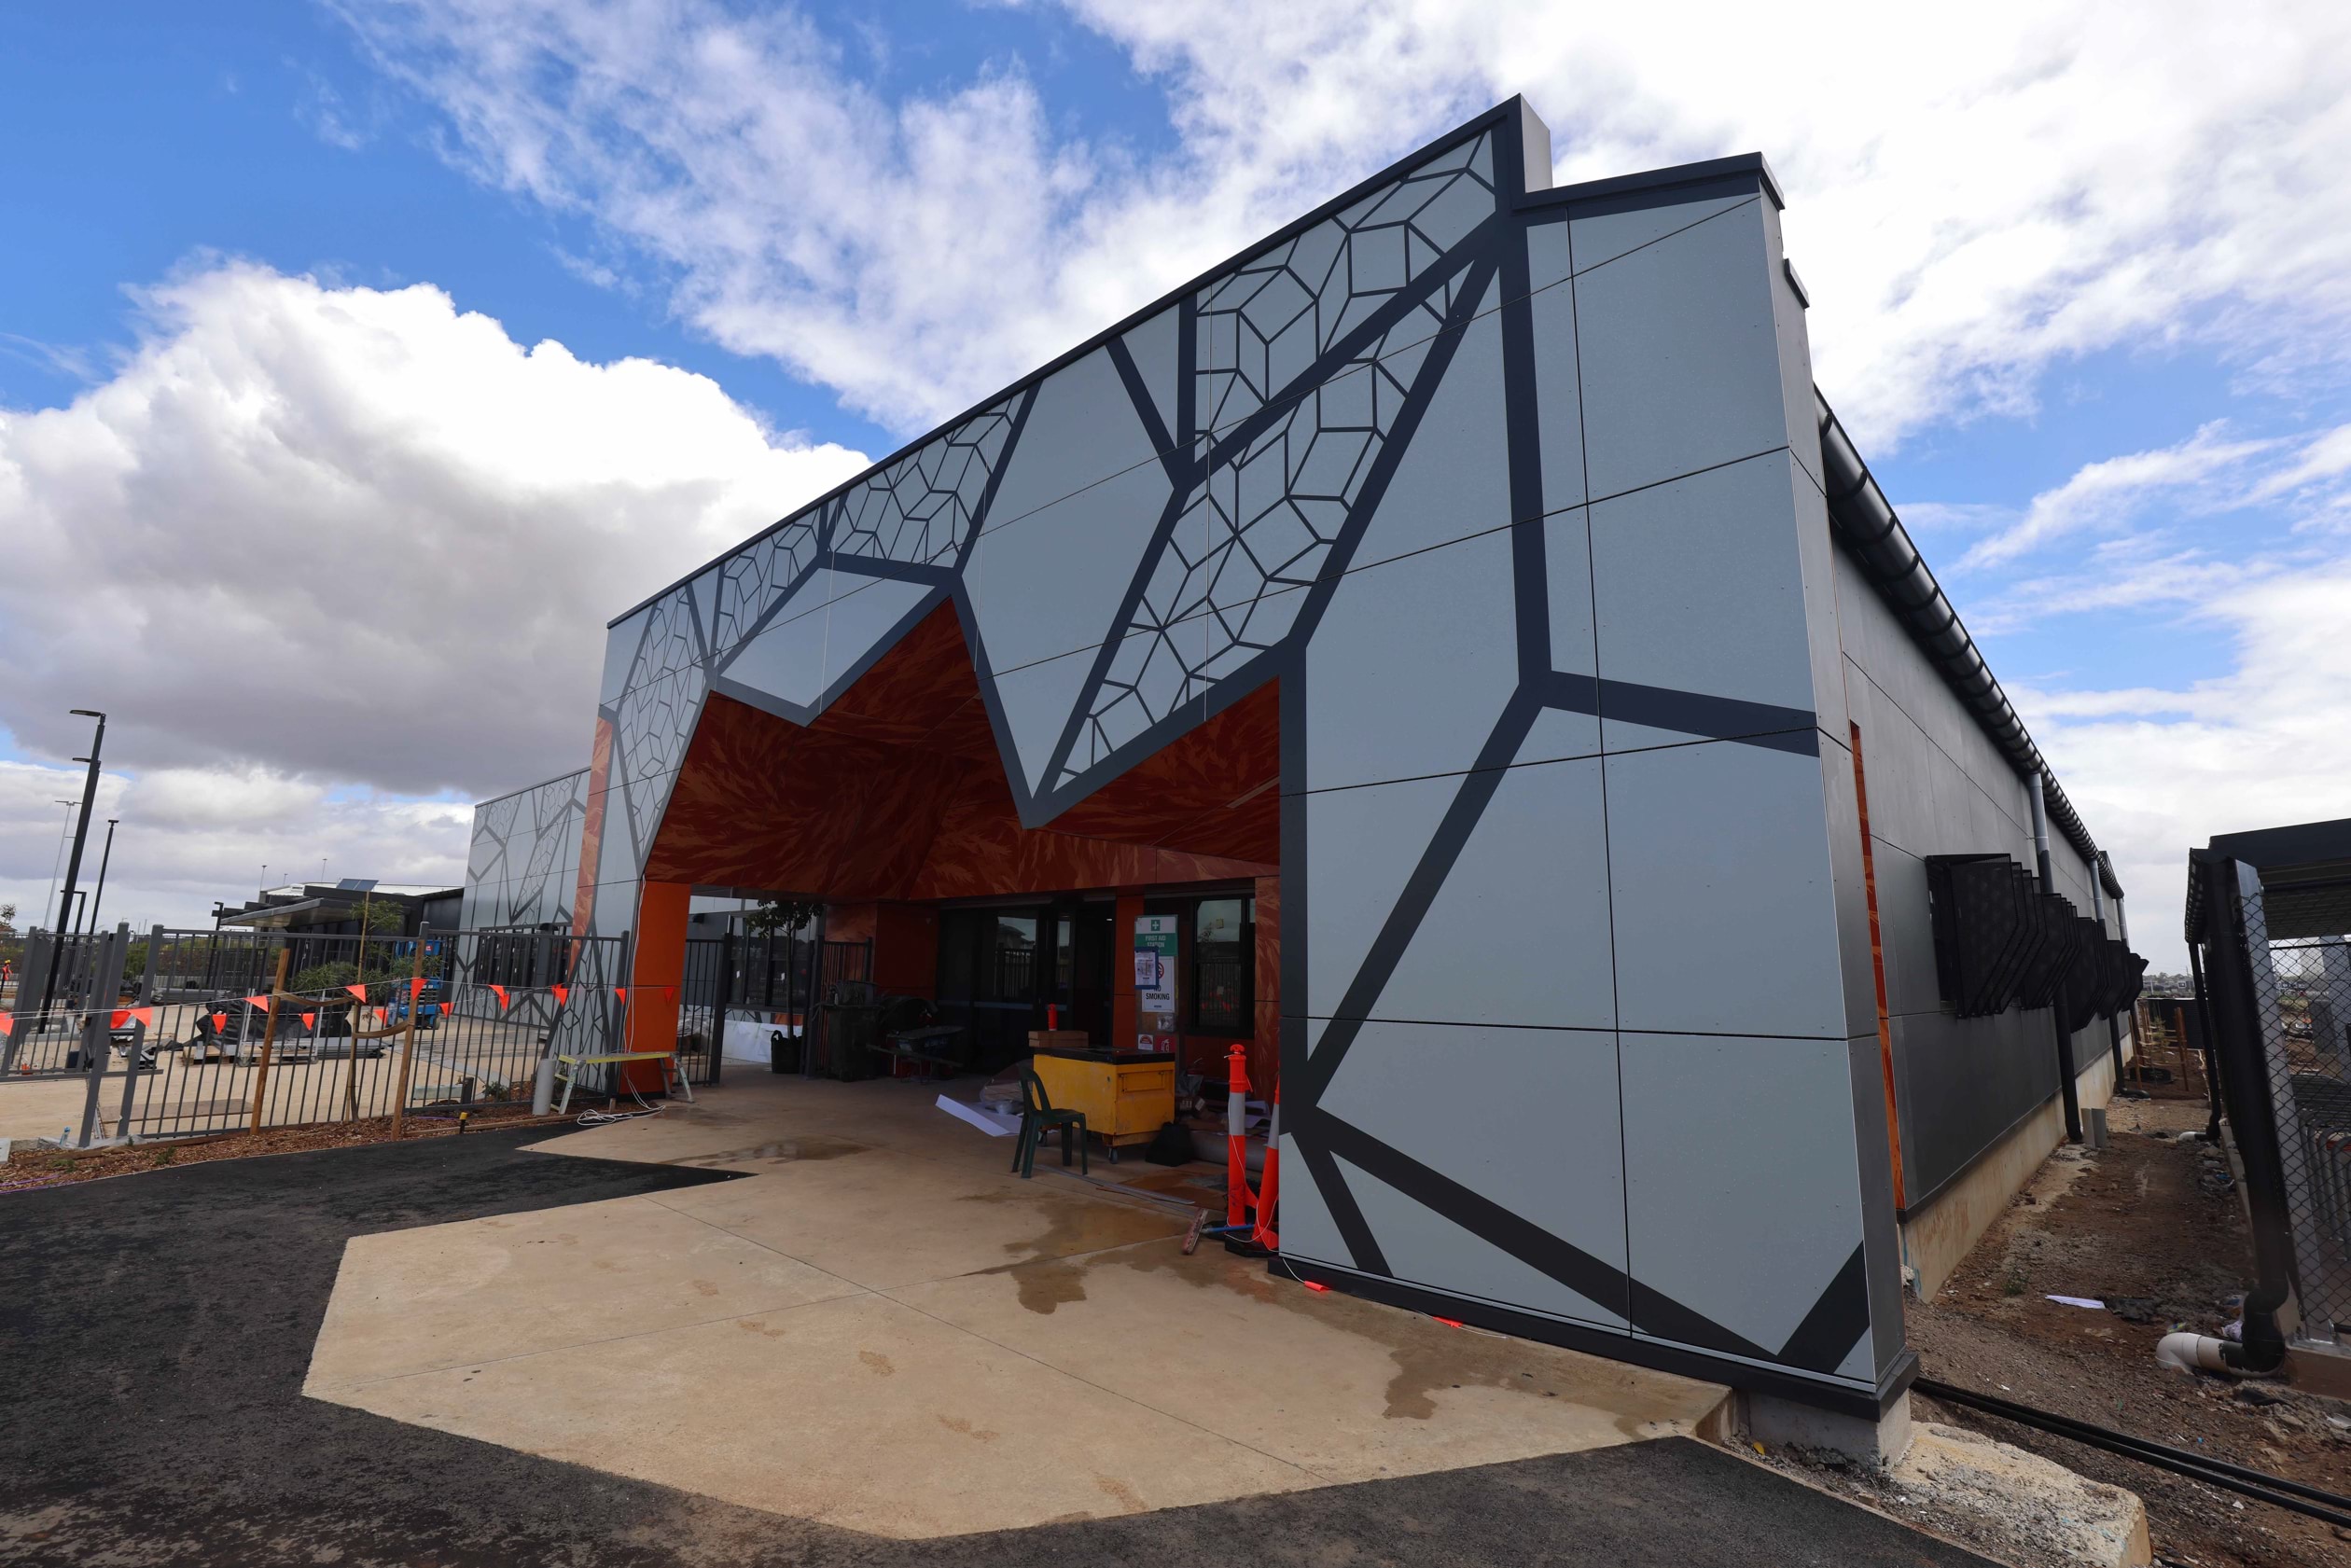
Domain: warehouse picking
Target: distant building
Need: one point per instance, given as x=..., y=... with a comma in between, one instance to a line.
x=335, y=909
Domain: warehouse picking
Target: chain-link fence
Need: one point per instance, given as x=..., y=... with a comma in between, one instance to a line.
x=2298, y=946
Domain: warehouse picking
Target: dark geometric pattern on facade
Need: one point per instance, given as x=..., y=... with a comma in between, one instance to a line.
x=925, y=508
x=666, y=686
x=1226, y=581
x=518, y=859
x=758, y=577
x=1260, y=327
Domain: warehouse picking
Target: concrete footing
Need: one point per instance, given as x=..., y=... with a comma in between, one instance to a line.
x=1882, y=1442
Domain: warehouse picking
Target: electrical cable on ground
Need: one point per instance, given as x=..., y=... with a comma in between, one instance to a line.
x=2260, y=1486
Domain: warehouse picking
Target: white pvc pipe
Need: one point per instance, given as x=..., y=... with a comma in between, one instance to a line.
x=2187, y=1352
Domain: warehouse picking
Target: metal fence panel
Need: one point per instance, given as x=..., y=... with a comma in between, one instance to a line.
x=2301, y=990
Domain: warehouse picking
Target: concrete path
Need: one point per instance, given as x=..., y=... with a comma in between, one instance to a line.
x=878, y=1327
x=155, y=1330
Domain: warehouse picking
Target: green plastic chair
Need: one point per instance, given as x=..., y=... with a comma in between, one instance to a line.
x=1039, y=1117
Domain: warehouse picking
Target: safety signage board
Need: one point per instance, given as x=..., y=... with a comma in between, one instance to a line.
x=1155, y=971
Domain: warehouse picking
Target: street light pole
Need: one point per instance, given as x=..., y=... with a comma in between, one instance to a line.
x=82, y=840
x=104, y=859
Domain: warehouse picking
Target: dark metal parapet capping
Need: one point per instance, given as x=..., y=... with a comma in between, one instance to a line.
x=1865, y=520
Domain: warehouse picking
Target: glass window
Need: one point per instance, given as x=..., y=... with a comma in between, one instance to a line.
x=1224, y=950
x=1064, y=966
x=1012, y=968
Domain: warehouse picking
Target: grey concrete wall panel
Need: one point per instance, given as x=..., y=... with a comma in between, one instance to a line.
x=1558, y=400
x=1568, y=581
x=1547, y=258
x=1423, y=1248
x=1725, y=916
x=1906, y=927
x=824, y=639
x=1795, y=358
x=1308, y=1230
x=620, y=651
x=1420, y=637
x=1454, y=479
x=1611, y=227
x=522, y=866
x=1493, y=1109
x=1365, y=845
x=1153, y=348
x=1700, y=589
x=1726, y=1140
x=1519, y=932
x=1816, y=568
x=1072, y=519
x=1557, y=735
x=1680, y=355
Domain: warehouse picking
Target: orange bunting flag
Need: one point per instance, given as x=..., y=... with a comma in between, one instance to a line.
x=308, y=1018
x=500, y=992
x=144, y=1015
x=620, y=993
x=7, y=1023
x=563, y=993
x=220, y=1022
x=258, y=1002
x=120, y=1020
x=669, y=994
x=416, y=986
x=380, y=1013
x=358, y=990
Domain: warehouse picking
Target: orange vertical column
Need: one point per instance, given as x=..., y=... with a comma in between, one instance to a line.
x=656, y=973
x=1265, y=1048
x=1122, y=1010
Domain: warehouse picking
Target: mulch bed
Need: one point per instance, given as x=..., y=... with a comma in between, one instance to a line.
x=30, y=1168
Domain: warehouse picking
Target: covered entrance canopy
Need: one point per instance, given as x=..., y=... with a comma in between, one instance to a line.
x=893, y=808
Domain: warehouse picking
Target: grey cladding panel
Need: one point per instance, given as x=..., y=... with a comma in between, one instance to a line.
x=1050, y=572
x=1740, y=1175
x=1524, y=1118
x=1963, y=1083
x=1363, y=846
x=1410, y=665
x=1423, y=1248
x=1613, y=225
x=1700, y=587
x=1718, y=859
x=1680, y=355
x=1559, y=413
x=1519, y=932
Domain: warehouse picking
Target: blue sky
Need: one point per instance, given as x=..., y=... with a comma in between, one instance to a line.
x=2094, y=347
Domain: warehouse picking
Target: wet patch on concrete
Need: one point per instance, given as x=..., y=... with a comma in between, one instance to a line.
x=783, y=1151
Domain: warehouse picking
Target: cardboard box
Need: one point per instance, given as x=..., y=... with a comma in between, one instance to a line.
x=1059, y=1039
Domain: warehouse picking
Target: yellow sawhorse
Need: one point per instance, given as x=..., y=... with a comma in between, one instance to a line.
x=673, y=1076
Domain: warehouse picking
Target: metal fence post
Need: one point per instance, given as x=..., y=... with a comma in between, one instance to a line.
x=138, y=1039
x=269, y=1039
x=106, y=990
x=408, y=1037
x=40, y=955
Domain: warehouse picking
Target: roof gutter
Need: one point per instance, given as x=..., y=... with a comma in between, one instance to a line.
x=1865, y=523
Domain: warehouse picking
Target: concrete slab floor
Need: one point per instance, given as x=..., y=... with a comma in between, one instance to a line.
x=878, y=1327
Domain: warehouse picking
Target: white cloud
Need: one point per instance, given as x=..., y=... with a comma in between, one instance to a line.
x=2157, y=771
x=1971, y=203
x=191, y=837
x=319, y=551
x=2108, y=493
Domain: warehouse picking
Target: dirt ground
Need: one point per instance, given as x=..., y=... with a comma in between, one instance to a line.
x=2152, y=1225
x=28, y=1169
